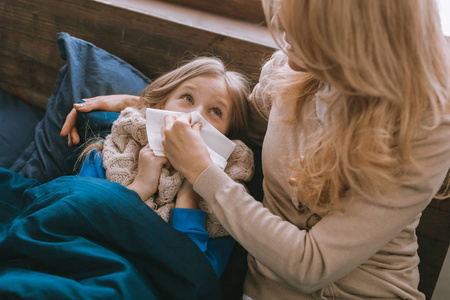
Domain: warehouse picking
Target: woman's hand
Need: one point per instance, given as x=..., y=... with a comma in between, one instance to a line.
x=115, y=103
x=184, y=147
x=149, y=172
x=187, y=197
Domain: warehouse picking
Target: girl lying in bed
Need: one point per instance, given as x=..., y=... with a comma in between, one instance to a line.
x=201, y=85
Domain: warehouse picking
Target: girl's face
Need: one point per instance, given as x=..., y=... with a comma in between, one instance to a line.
x=207, y=95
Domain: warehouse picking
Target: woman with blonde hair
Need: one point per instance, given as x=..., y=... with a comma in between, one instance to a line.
x=356, y=146
x=353, y=117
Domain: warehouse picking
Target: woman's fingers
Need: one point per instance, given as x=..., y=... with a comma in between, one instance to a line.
x=114, y=103
x=197, y=126
x=75, y=136
x=90, y=104
x=69, y=123
x=184, y=147
x=71, y=119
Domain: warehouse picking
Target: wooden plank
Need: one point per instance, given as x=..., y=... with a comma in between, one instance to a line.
x=247, y=10
x=433, y=235
x=151, y=44
x=21, y=67
x=443, y=204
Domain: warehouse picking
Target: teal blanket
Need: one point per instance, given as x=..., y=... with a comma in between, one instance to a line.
x=85, y=238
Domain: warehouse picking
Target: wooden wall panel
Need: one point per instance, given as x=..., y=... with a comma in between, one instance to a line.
x=247, y=10
x=433, y=235
x=151, y=44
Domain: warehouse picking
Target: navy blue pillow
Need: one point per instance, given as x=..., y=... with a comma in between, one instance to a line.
x=90, y=71
x=18, y=120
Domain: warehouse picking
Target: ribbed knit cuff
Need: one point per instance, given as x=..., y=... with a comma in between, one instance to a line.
x=210, y=181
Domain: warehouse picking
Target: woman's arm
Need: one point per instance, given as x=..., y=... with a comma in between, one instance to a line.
x=336, y=245
x=341, y=241
x=114, y=103
x=260, y=104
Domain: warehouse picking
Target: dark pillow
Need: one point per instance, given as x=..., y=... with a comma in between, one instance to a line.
x=90, y=71
x=18, y=121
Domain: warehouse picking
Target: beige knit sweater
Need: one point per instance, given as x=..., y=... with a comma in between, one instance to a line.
x=367, y=252
x=120, y=160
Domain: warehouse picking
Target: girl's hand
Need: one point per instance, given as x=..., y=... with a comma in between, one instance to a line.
x=184, y=147
x=149, y=172
x=187, y=197
x=115, y=103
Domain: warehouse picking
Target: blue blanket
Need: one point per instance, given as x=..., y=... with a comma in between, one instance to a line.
x=85, y=238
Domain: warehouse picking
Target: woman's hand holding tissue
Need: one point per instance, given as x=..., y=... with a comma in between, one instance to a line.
x=184, y=146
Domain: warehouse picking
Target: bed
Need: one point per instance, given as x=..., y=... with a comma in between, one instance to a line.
x=55, y=53
x=74, y=237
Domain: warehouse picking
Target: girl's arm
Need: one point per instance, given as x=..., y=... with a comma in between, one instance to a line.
x=192, y=223
x=188, y=219
x=149, y=173
x=187, y=197
x=146, y=181
x=92, y=165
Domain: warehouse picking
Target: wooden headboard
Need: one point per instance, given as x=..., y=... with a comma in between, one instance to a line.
x=150, y=35
x=153, y=36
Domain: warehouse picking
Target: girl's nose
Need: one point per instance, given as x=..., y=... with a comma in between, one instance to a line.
x=200, y=110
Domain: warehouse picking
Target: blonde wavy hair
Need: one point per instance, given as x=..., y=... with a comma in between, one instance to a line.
x=388, y=70
x=158, y=91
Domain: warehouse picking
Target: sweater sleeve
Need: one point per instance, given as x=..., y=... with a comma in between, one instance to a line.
x=260, y=104
x=192, y=223
x=341, y=241
x=92, y=165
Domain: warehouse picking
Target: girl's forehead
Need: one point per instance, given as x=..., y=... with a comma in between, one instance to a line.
x=204, y=81
x=211, y=84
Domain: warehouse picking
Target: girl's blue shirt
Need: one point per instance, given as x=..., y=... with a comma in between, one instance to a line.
x=188, y=221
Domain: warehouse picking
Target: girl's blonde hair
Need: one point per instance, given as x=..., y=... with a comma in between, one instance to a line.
x=157, y=93
x=387, y=67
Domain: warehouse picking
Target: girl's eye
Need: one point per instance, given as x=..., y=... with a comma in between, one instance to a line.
x=188, y=98
x=216, y=112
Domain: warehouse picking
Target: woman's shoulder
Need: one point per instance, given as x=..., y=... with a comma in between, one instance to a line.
x=433, y=127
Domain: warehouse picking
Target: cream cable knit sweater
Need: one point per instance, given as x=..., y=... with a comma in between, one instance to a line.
x=120, y=160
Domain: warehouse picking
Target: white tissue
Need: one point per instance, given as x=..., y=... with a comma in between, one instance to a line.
x=218, y=145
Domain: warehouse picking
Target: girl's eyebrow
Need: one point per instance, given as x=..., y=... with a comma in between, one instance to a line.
x=221, y=101
x=190, y=86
